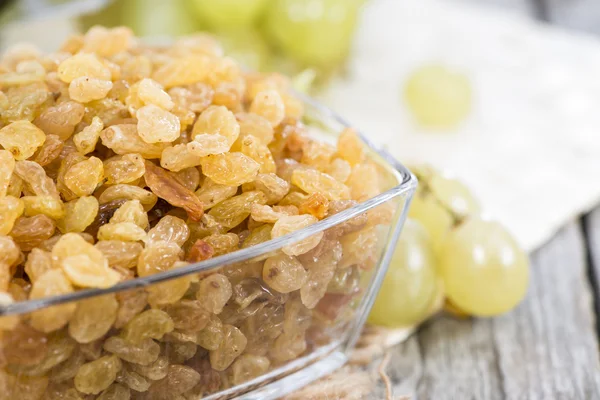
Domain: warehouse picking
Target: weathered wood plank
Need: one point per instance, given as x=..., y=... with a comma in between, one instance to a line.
x=545, y=349
x=548, y=348
x=592, y=225
x=582, y=15
x=459, y=360
x=405, y=370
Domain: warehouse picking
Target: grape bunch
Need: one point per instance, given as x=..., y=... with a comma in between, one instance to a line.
x=264, y=35
x=448, y=249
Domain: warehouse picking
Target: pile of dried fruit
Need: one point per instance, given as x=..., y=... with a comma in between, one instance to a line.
x=122, y=160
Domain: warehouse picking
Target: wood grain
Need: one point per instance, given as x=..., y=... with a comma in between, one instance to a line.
x=548, y=348
x=405, y=370
x=545, y=349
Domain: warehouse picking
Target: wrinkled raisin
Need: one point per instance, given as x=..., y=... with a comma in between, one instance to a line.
x=30, y=232
x=95, y=376
x=268, y=104
x=232, y=345
x=93, y=318
x=288, y=224
x=284, y=273
x=166, y=187
x=231, y=169
x=213, y=292
x=143, y=353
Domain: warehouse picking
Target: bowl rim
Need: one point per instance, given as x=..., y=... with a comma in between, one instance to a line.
x=407, y=184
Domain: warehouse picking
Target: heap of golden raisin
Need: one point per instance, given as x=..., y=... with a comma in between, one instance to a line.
x=121, y=160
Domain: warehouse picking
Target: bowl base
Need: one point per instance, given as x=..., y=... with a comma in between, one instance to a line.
x=288, y=378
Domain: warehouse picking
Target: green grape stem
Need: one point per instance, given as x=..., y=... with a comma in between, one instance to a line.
x=426, y=192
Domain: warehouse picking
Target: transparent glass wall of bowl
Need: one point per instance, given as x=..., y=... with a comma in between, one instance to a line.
x=256, y=323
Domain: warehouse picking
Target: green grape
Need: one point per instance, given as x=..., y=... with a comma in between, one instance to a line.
x=484, y=271
x=110, y=15
x=436, y=220
x=158, y=17
x=228, y=14
x=437, y=96
x=411, y=287
x=246, y=46
x=440, y=201
x=316, y=32
x=454, y=195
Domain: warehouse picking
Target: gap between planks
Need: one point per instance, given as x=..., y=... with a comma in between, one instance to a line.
x=591, y=231
x=591, y=226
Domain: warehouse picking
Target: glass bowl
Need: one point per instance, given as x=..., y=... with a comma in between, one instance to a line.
x=262, y=345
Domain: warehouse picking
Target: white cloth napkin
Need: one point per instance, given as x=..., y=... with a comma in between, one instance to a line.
x=530, y=150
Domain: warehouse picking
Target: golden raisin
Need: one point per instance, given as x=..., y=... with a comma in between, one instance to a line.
x=82, y=65
x=22, y=139
x=313, y=181
x=350, y=147
x=182, y=71
x=217, y=120
x=86, y=89
x=156, y=125
x=51, y=283
x=178, y=157
x=268, y=104
x=11, y=208
x=83, y=177
x=7, y=166
x=126, y=168
x=49, y=151
x=255, y=125
x=61, y=119
x=316, y=205
x=123, y=139
x=30, y=232
x=231, y=169
x=151, y=92
x=86, y=140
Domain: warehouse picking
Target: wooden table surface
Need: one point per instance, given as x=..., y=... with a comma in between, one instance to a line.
x=548, y=347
